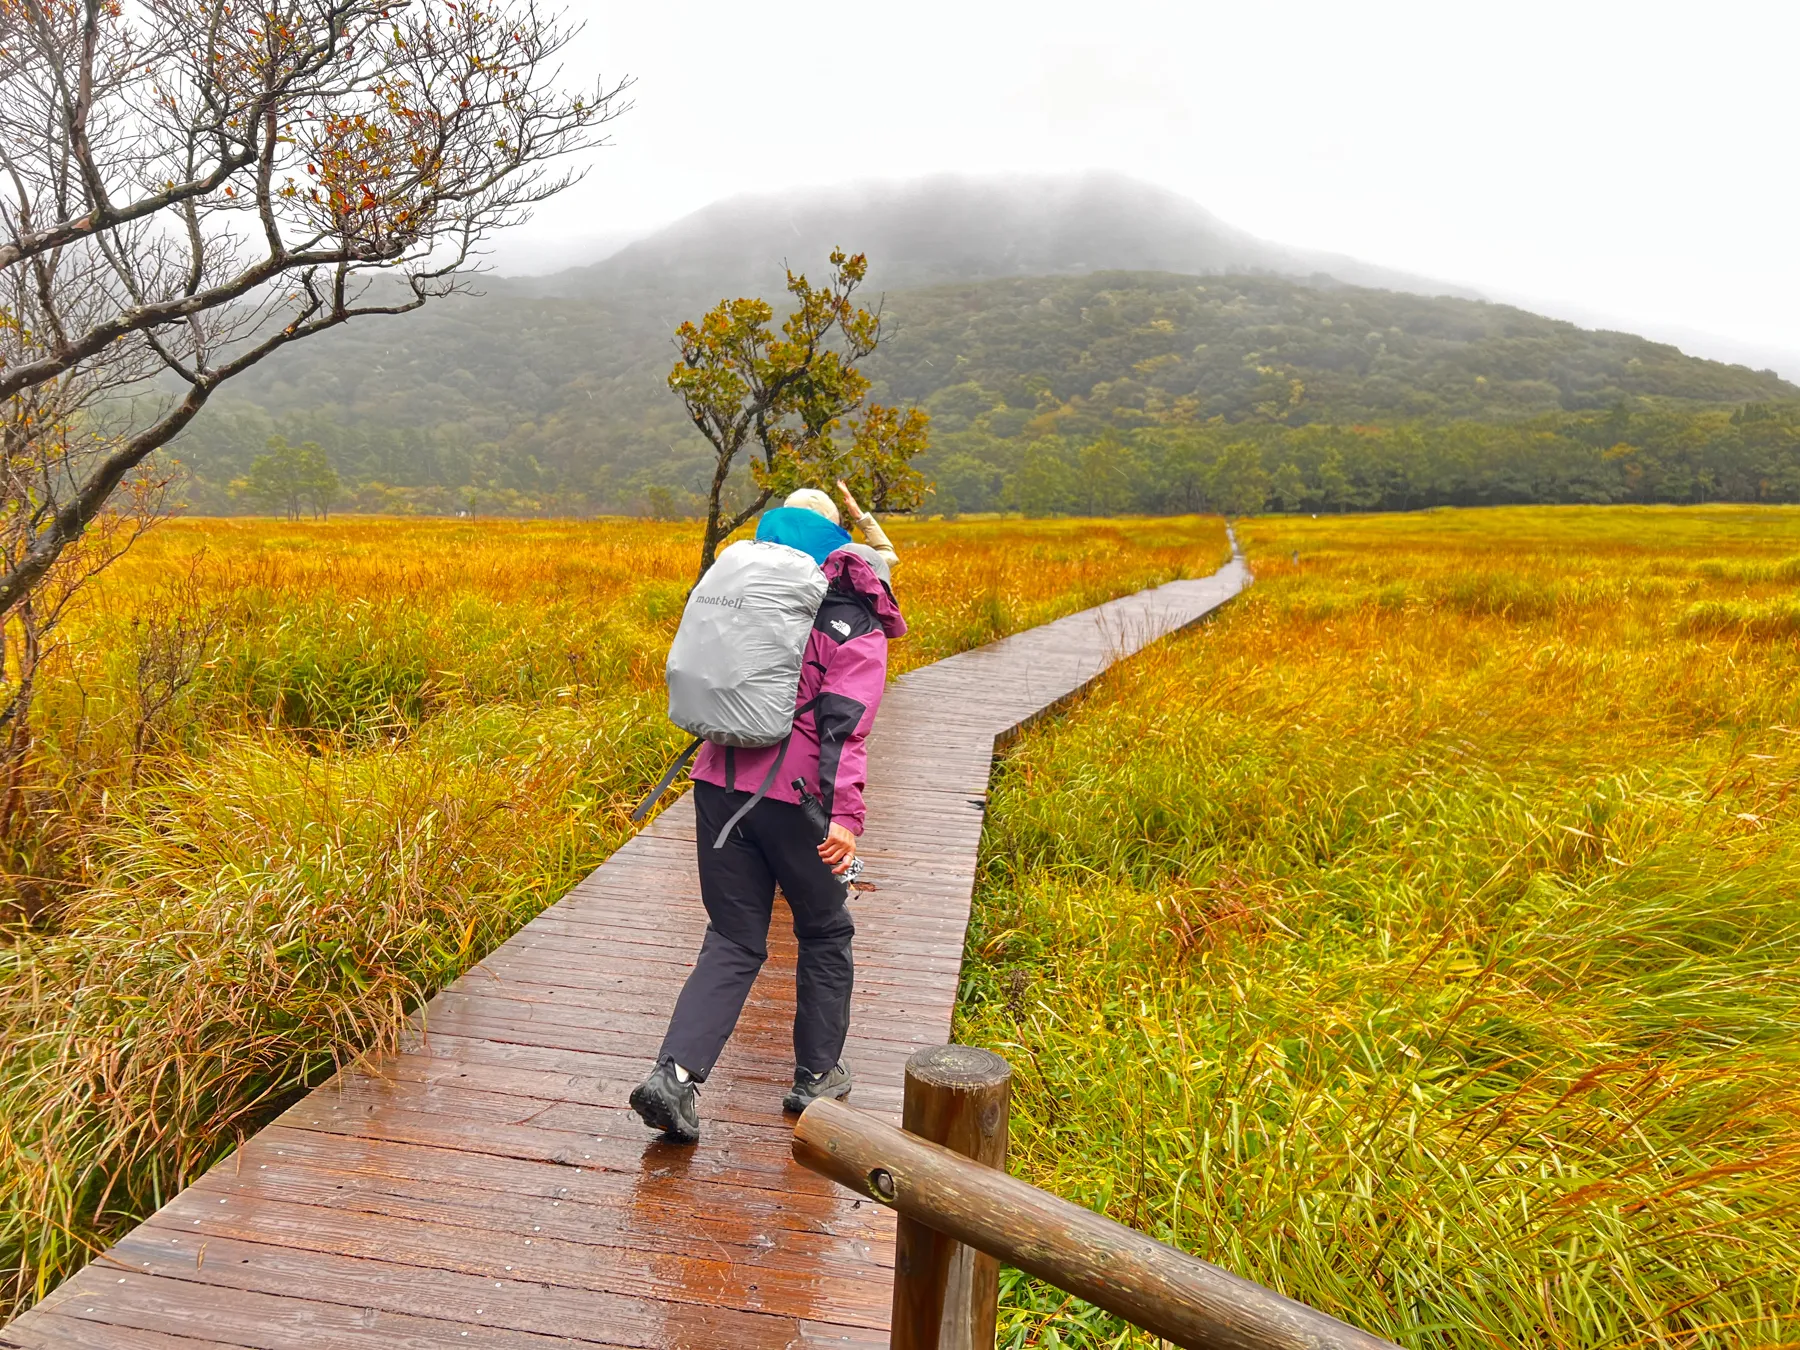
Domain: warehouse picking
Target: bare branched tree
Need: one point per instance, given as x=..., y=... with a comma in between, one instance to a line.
x=188, y=186
x=188, y=190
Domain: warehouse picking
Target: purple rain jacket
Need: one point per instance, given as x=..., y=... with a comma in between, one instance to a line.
x=842, y=676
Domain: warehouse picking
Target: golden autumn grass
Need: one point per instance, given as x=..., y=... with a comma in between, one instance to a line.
x=400, y=740
x=1422, y=938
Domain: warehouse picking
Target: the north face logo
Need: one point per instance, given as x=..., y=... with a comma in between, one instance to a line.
x=842, y=627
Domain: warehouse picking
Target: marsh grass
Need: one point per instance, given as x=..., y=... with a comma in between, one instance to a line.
x=1422, y=938
x=388, y=746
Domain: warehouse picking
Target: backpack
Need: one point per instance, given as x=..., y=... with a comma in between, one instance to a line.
x=734, y=666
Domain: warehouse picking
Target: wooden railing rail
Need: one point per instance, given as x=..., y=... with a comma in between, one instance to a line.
x=955, y=1200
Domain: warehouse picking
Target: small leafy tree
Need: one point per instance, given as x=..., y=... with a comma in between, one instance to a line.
x=273, y=483
x=786, y=395
x=1105, y=473
x=1045, y=484
x=1239, y=484
x=1335, y=489
x=320, y=481
x=1288, y=487
x=290, y=477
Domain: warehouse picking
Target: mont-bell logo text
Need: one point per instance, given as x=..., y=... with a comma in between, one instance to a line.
x=726, y=601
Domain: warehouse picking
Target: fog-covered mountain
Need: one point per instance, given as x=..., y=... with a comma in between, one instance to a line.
x=931, y=231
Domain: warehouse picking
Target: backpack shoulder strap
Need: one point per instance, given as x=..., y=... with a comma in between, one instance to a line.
x=768, y=781
x=643, y=807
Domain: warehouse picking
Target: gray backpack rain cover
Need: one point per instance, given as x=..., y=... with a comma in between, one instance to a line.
x=735, y=662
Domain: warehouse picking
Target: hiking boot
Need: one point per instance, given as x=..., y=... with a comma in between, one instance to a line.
x=809, y=1087
x=668, y=1104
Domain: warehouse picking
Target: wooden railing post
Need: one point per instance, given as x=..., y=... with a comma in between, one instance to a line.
x=945, y=1294
x=1160, y=1288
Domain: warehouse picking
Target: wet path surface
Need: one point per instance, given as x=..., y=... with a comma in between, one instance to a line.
x=488, y=1186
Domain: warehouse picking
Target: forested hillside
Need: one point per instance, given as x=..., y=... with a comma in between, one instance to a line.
x=1135, y=392
x=1126, y=349
x=519, y=404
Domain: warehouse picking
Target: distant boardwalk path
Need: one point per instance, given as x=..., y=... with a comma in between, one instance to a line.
x=487, y=1185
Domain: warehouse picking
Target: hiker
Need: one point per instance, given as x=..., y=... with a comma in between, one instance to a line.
x=811, y=499
x=843, y=674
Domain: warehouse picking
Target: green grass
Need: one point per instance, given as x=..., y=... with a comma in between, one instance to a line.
x=1422, y=938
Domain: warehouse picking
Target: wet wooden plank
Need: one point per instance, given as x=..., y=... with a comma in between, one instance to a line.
x=486, y=1185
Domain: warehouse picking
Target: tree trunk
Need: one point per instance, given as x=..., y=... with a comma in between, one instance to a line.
x=709, y=546
x=717, y=529
x=19, y=740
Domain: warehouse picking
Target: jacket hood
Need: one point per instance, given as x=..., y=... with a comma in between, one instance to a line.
x=846, y=571
x=799, y=528
x=869, y=554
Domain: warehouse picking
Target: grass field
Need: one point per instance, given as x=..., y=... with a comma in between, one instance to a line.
x=1422, y=938
x=293, y=778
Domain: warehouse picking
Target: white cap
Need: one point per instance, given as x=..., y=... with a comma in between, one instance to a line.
x=811, y=499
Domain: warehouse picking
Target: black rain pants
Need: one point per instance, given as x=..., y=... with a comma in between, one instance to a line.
x=771, y=845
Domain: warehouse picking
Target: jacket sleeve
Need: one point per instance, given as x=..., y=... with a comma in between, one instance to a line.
x=849, y=696
x=877, y=538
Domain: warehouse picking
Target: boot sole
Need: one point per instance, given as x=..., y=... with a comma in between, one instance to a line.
x=657, y=1116
x=794, y=1104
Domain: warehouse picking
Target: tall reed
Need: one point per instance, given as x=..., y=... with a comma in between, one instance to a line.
x=1420, y=939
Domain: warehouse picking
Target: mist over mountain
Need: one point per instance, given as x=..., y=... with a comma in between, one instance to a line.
x=931, y=231
x=1020, y=312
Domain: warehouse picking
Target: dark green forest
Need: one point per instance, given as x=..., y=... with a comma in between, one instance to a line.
x=1751, y=453
x=1122, y=391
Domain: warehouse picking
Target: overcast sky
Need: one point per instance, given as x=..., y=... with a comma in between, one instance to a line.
x=1633, y=163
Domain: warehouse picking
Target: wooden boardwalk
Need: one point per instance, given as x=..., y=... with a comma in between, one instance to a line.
x=488, y=1186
